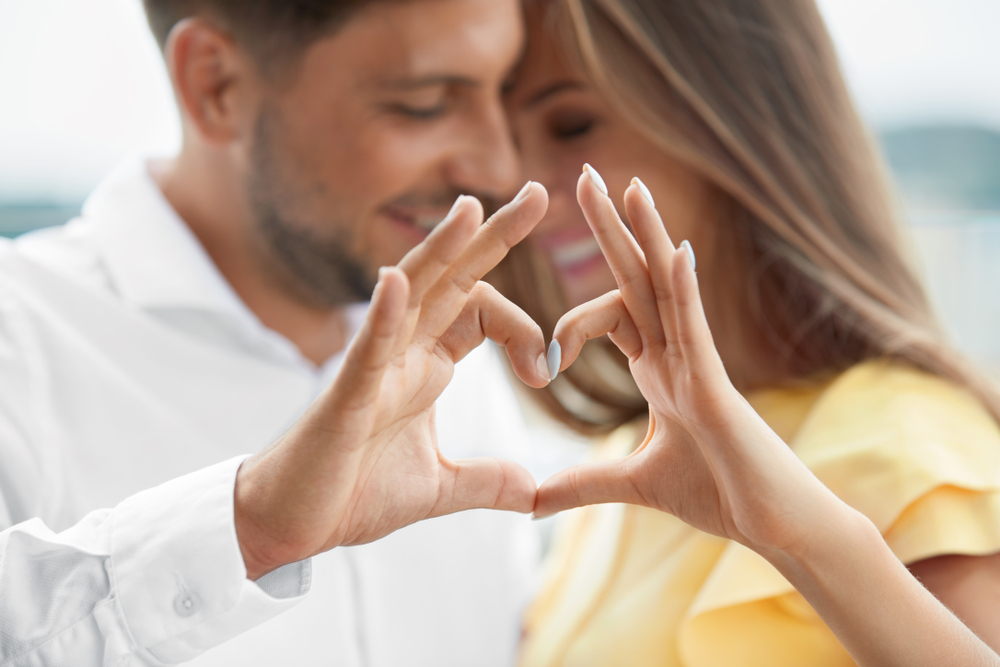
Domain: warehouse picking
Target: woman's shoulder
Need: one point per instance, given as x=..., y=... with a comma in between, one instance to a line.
x=887, y=402
x=895, y=382
x=882, y=435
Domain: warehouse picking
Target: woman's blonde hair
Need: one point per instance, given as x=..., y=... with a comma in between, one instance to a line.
x=748, y=93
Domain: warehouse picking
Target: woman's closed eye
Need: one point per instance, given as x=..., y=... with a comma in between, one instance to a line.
x=571, y=125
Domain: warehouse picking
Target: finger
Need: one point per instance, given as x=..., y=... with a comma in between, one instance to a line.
x=588, y=484
x=505, y=229
x=429, y=260
x=623, y=254
x=487, y=314
x=606, y=314
x=486, y=483
x=693, y=334
x=659, y=251
x=358, y=382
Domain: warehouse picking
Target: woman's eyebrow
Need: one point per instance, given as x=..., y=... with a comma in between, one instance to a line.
x=552, y=89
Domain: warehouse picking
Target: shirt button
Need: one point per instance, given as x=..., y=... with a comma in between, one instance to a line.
x=186, y=604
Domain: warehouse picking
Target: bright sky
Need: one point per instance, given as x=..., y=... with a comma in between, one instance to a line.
x=920, y=60
x=83, y=86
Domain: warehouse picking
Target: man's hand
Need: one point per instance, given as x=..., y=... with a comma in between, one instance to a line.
x=363, y=461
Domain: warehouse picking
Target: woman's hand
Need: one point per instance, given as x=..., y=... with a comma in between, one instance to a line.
x=711, y=461
x=708, y=458
x=363, y=461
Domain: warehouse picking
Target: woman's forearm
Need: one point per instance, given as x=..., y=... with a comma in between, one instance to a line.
x=880, y=613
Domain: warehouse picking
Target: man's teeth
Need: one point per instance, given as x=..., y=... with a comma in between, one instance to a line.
x=428, y=222
x=571, y=254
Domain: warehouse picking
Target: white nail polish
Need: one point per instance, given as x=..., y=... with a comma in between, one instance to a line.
x=596, y=178
x=554, y=359
x=687, y=246
x=645, y=191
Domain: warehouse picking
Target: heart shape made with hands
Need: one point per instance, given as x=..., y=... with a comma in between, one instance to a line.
x=364, y=462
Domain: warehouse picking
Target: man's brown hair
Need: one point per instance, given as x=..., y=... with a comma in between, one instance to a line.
x=275, y=32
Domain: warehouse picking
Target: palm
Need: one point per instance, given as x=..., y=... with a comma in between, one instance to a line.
x=690, y=492
x=401, y=474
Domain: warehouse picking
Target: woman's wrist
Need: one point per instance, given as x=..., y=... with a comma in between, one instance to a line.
x=836, y=535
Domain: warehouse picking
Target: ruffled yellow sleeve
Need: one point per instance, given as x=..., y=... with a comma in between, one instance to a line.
x=916, y=454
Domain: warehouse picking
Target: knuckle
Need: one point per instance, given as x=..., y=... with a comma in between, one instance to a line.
x=574, y=484
x=501, y=484
x=484, y=290
x=662, y=293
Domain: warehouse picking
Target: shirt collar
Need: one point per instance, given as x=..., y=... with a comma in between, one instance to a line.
x=156, y=263
x=153, y=257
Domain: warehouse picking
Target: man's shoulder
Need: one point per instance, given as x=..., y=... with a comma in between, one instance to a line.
x=51, y=282
x=88, y=249
x=70, y=251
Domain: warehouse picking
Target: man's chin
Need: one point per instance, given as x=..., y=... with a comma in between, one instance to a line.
x=315, y=271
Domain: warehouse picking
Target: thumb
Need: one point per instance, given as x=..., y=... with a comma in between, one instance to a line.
x=588, y=484
x=486, y=483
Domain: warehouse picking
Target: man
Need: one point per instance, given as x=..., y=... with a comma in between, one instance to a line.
x=199, y=305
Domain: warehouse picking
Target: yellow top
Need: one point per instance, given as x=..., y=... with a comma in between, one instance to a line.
x=626, y=585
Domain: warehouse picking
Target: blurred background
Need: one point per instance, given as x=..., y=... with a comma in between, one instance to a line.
x=82, y=87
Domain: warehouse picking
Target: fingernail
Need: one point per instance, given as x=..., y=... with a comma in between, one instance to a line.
x=537, y=518
x=381, y=272
x=687, y=246
x=644, y=190
x=596, y=178
x=523, y=193
x=453, y=207
x=542, y=366
x=554, y=359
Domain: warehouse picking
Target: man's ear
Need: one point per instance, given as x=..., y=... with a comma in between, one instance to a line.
x=214, y=80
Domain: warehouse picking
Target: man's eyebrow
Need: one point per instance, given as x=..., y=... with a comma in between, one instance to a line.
x=414, y=83
x=553, y=89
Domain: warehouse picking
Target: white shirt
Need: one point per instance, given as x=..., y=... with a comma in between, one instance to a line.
x=127, y=361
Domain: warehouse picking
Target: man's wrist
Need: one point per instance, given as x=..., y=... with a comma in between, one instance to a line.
x=247, y=500
x=179, y=571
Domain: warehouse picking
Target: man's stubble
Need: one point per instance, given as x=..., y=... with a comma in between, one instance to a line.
x=313, y=263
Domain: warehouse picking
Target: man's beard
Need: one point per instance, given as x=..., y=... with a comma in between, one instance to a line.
x=316, y=267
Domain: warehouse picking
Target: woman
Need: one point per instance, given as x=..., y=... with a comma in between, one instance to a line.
x=826, y=358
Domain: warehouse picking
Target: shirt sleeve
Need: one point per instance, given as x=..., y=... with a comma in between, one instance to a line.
x=156, y=580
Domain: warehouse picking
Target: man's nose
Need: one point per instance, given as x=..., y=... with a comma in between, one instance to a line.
x=486, y=161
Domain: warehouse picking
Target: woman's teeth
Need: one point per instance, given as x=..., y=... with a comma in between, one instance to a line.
x=571, y=254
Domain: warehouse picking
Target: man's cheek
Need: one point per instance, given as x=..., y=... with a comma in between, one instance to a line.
x=412, y=155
